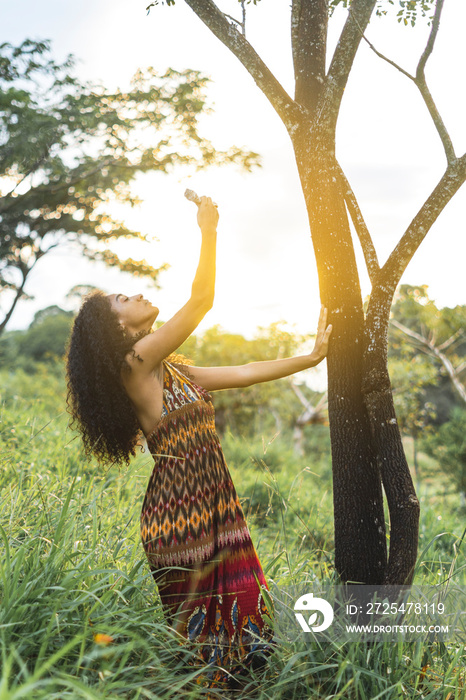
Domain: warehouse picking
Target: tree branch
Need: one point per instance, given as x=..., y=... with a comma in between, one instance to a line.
x=435, y=352
x=461, y=368
x=51, y=247
x=82, y=176
x=452, y=339
x=54, y=189
x=311, y=413
x=432, y=37
x=309, y=24
x=240, y=23
x=289, y=112
x=454, y=177
x=243, y=15
x=18, y=295
x=424, y=90
x=337, y=77
x=420, y=80
x=385, y=58
x=31, y=171
x=408, y=331
x=367, y=245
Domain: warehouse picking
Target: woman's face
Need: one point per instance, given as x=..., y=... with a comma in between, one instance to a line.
x=135, y=313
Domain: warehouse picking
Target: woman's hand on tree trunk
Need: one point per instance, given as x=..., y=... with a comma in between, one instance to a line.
x=322, y=339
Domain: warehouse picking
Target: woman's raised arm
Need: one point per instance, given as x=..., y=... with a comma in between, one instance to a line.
x=215, y=378
x=156, y=346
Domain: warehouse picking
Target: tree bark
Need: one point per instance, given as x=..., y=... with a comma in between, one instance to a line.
x=378, y=399
x=360, y=546
x=309, y=26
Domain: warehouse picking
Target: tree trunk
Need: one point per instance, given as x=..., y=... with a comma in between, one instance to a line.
x=366, y=441
x=8, y=315
x=377, y=392
x=298, y=440
x=360, y=546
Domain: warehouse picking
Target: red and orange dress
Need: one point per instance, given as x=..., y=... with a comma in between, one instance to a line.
x=196, y=538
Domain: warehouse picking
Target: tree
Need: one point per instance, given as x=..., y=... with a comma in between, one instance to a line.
x=70, y=149
x=436, y=334
x=448, y=446
x=426, y=361
x=415, y=412
x=311, y=415
x=366, y=443
x=259, y=409
x=47, y=336
x=44, y=341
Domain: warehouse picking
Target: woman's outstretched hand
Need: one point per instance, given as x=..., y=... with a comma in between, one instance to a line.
x=323, y=335
x=207, y=215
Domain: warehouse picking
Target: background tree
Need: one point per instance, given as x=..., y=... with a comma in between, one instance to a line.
x=436, y=336
x=262, y=409
x=314, y=412
x=414, y=410
x=44, y=341
x=257, y=413
x=448, y=446
x=366, y=442
x=69, y=149
x=427, y=360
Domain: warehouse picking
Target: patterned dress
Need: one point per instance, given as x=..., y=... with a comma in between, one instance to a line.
x=197, y=541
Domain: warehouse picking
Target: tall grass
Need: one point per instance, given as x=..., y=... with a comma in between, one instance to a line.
x=80, y=616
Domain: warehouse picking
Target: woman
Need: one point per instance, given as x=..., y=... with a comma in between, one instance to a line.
x=210, y=580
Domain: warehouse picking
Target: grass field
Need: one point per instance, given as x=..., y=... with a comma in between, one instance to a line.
x=80, y=615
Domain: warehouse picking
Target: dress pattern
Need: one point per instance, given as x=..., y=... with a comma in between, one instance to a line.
x=197, y=541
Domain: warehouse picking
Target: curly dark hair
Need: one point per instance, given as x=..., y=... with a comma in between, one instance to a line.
x=97, y=401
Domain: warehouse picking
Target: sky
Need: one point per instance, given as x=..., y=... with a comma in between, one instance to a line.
x=266, y=272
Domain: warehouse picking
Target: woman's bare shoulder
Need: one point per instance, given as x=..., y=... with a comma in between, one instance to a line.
x=136, y=377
